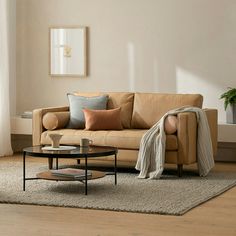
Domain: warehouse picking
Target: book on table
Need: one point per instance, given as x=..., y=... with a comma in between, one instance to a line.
x=72, y=173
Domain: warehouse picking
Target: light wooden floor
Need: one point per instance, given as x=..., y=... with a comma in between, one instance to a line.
x=215, y=217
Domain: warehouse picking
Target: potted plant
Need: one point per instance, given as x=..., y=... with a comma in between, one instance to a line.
x=230, y=105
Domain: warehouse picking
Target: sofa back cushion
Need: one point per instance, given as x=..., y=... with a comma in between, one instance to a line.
x=124, y=100
x=150, y=107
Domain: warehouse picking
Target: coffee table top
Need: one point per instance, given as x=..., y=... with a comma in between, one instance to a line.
x=92, y=151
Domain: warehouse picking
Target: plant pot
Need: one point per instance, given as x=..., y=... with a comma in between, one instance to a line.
x=231, y=114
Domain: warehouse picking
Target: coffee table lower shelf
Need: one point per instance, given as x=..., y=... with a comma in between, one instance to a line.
x=47, y=175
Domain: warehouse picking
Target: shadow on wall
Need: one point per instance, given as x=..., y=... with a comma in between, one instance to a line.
x=205, y=62
x=193, y=53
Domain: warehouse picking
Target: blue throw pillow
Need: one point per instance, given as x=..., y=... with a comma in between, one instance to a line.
x=78, y=103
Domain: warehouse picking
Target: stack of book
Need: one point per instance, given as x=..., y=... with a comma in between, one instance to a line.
x=78, y=174
x=27, y=114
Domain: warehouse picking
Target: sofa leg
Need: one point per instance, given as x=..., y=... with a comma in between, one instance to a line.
x=50, y=163
x=180, y=170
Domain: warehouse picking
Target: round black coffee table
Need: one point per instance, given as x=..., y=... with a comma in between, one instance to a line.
x=77, y=152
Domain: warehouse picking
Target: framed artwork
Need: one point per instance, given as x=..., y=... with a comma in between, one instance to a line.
x=68, y=51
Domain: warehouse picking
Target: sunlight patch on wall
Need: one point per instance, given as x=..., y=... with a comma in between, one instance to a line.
x=131, y=66
x=187, y=82
x=156, y=82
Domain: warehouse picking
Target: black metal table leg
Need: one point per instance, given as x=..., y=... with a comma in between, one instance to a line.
x=86, y=177
x=23, y=171
x=115, y=169
x=57, y=163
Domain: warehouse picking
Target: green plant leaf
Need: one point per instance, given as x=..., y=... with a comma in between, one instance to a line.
x=229, y=97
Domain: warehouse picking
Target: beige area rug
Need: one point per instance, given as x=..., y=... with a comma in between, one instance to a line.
x=170, y=195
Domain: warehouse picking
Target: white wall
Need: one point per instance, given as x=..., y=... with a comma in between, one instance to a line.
x=12, y=53
x=179, y=46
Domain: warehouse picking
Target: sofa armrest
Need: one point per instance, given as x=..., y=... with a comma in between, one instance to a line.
x=187, y=137
x=38, y=121
x=212, y=115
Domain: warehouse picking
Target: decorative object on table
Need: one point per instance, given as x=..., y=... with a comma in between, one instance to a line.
x=230, y=105
x=60, y=148
x=78, y=174
x=84, y=142
x=68, y=51
x=55, y=137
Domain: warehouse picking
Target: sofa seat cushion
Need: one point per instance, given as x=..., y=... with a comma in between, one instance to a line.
x=124, y=139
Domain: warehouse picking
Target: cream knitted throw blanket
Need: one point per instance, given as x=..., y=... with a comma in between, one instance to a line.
x=151, y=156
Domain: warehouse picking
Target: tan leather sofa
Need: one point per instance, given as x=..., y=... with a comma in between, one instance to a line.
x=139, y=111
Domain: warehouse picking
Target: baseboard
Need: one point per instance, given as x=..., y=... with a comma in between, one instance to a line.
x=226, y=152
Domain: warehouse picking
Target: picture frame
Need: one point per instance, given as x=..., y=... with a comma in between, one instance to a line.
x=68, y=51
